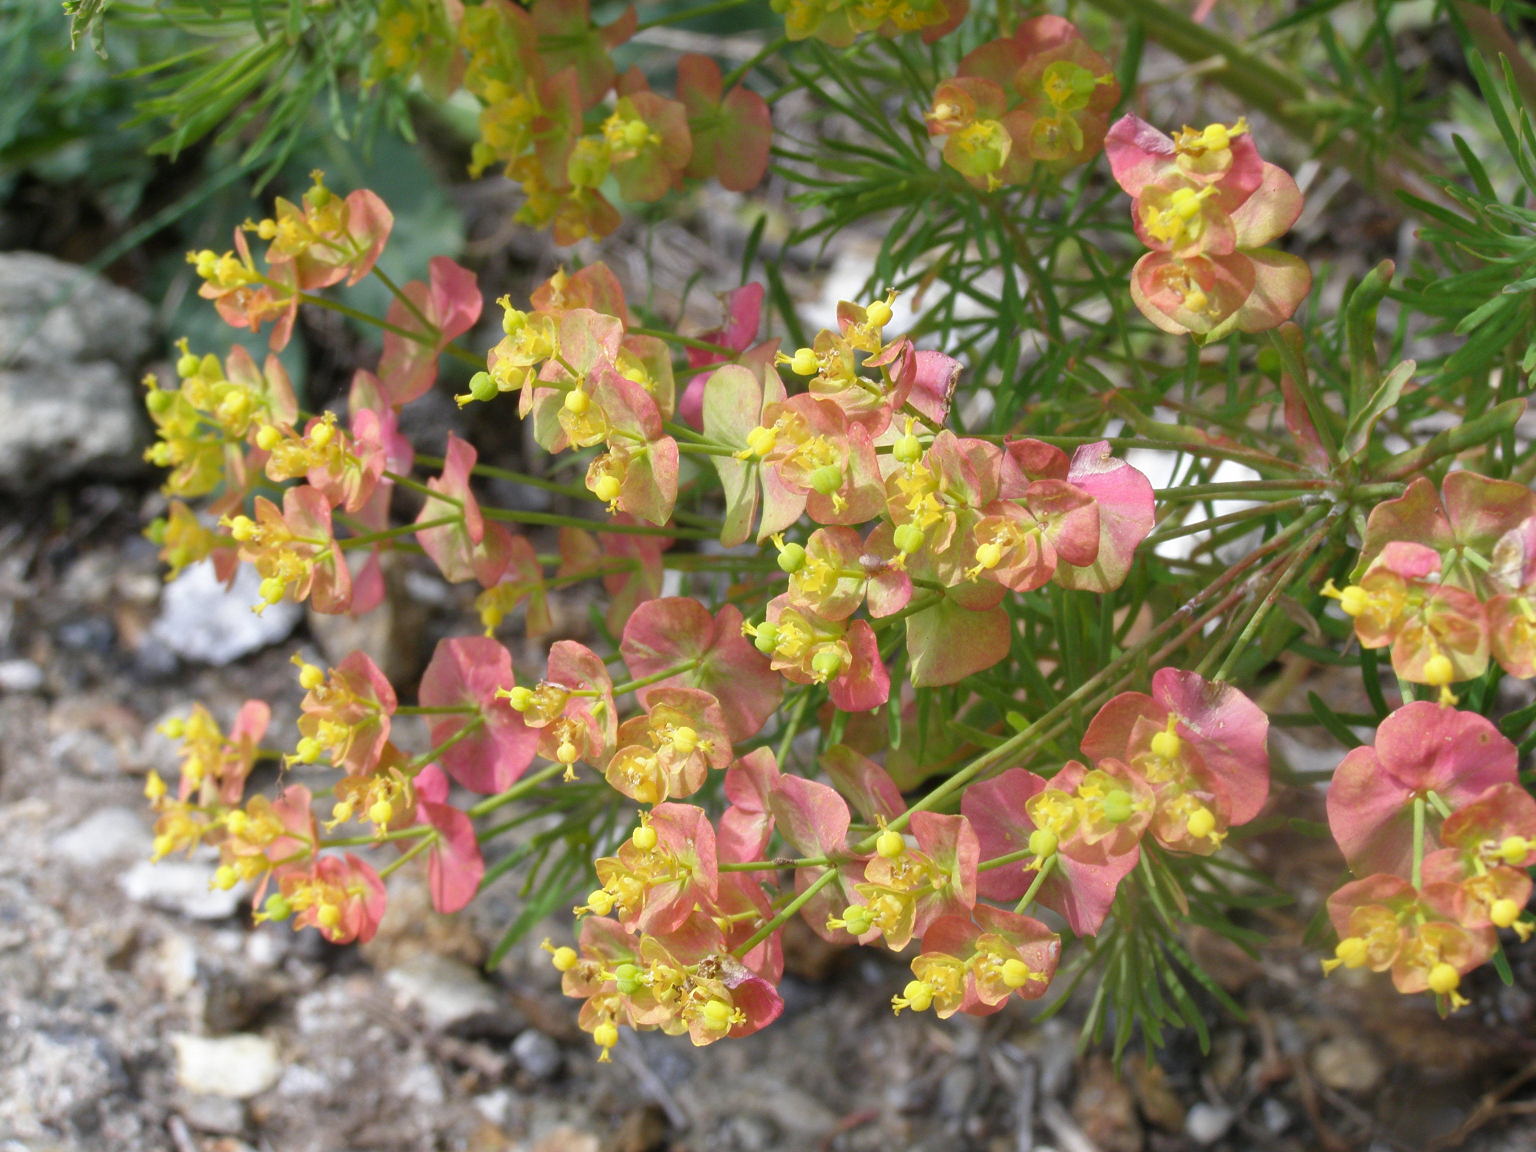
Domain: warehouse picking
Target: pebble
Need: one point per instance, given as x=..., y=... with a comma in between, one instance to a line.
x=421, y=1083
x=181, y=886
x=53, y=313
x=106, y=836
x=175, y=964
x=536, y=1054
x=238, y=1066
x=20, y=677
x=1275, y=1116
x=85, y=753
x=302, y=1080
x=445, y=990
x=220, y=1115
x=201, y=620
x=59, y=1077
x=1208, y=1123
x=496, y=1106
x=1346, y=1064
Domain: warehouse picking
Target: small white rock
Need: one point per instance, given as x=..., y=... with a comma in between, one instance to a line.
x=445, y=990
x=1208, y=1123
x=200, y=620
x=538, y=1055
x=181, y=886
x=422, y=1084
x=176, y=964
x=105, y=836
x=238, y=1066
x=302, y=1080
x=18, y=677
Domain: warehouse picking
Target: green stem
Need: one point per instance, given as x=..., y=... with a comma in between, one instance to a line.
x=426, y=842
x=1293, y=563
x=552, y=519
x=370, y=538
x=686, y=341
x=419, y=762
x=1417, y=874
x=775, y=865
x=1239, y=489
x=1036, y=884
x=654, y=678
x=784, y=914
x=521, y=788
x=411, y=833
x=1178, y=530
x=689, y=14
x=430, y=331
x=769, y=50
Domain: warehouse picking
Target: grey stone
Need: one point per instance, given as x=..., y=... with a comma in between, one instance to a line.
x=20, y=677
x=60, y=1077
x=445, y=990
x=105, y=836
x=420, y=1082
x=536, y=1054
x=202, y=620
x=1347, y=1064
x=86, y=753
x=302, y=1080
x=53, y=313
x=1208, y=1123
x=237, y=1067
x=220, y=1115
x=66, y=422
x=181, y=886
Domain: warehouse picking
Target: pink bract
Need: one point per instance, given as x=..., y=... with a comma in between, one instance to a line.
x=1422, y=747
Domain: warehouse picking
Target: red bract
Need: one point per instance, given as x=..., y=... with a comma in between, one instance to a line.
x=809, y=649
x=572, y=707
x=731, y=130
x=1420, y=748
x=907, y=891
x=468, y=547
x=1124, y=499
x=814, y=460
x=743, y=315
x=1383, y=923
x=240, y=296
x=999, y=810
x=342, y=896
x=974, y=963
x=867, y=786
x=746, y=826
x=295, y=551
x=1200, y=744
x=455, y=865
x=266, y=833
x=329, y=239
x=814, y=821
x=347, y=716
x=1207, y=205
x=668, y=752
x=679, y=638
x=655, y=889
x=437, y=314
x=1040, y=95
x=470, y=673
